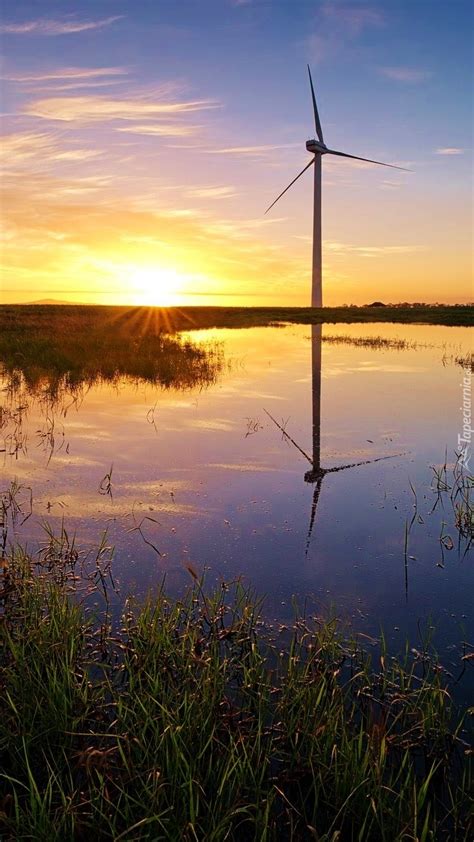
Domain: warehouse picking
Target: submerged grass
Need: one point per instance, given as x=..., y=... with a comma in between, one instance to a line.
x=187, y=723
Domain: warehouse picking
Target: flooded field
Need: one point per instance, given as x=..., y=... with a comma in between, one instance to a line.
x=315, y=462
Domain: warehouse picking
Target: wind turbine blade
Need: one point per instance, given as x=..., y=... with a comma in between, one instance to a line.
x=290, y=184
x=358, y=464
x=288, y=437
x=317, y=121
x=369, y=160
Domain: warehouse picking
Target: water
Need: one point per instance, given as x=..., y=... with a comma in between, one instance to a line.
x=205, y=475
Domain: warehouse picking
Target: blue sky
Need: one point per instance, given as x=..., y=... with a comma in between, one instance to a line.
x=392, y=81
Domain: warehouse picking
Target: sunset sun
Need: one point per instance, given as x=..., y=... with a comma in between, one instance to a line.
x=155, y=285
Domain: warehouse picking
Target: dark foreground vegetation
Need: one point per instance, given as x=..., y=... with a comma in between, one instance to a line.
x=186, y=721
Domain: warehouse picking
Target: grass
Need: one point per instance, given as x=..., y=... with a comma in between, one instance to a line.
x=453, y=485
x=187, y=722
x=53, y=362
x=42, y=319
x=56, y=350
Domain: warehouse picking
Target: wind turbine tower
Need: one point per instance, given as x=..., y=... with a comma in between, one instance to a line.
x=318, y=148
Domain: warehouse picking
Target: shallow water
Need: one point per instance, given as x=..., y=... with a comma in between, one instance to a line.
x=212, y=481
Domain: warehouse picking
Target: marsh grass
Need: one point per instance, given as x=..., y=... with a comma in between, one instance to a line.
x=453, y=486
x=50, y=364
x=378, y=342
x=34, y=317
x=186, y=722
x=63, y=352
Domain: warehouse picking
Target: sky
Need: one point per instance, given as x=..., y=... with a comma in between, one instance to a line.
x=143, y=141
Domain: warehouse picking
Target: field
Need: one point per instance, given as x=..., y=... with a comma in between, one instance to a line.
x=81, y=318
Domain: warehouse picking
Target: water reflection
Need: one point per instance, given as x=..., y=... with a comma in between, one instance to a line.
x=56, y=371
x=207, y=468
x=317, y=473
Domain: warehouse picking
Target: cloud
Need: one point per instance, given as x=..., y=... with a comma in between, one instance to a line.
x=64, y=73
x=233, y=229
x=77, y=154
x=53, y=88
x=449, y=150
x=161, y=130
x=406, y=74
x=46, y=26
x=22, y=146
x=251, y=151
x=212, y=193
x=369, y=251
x=91, y=109
x=38, y=149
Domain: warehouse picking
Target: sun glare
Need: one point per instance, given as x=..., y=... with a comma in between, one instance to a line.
x=155, y=286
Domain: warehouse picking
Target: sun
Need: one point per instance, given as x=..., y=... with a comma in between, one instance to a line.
x=155, y=286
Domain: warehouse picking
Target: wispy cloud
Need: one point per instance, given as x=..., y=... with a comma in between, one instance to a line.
x=77, y=154
x=64, y=73
x=251, y=151
x=233, y=229
x=161, y=130
x=48, y=26
x=91, y=109
x=212, y=192
x=369, y=251
x=54, y=87
x=406, y=74
x=450, y=150
x=38, y=149
x=22, y=146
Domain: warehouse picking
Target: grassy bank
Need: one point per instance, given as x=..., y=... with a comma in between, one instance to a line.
x=188, y=723
x=32, y=319
x=58, y=349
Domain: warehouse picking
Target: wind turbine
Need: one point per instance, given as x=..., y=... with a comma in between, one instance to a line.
x=318, y=148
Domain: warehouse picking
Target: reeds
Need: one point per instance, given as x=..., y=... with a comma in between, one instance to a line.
x=59, y=354
x=187, y=723
x=453, y=485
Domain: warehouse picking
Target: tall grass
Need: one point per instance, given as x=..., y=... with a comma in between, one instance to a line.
x=185, y=722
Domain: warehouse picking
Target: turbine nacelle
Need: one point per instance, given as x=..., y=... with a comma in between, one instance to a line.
x=315, y=147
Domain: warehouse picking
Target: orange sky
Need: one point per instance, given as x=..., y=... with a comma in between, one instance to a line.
x=123, y=185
